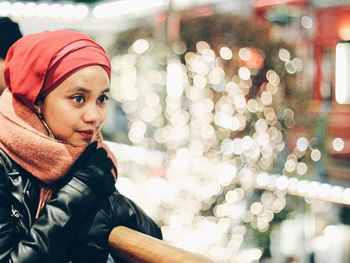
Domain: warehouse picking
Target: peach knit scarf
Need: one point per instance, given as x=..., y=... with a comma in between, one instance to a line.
x=25, y=139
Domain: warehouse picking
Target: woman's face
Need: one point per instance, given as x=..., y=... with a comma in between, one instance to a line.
x=76, y=110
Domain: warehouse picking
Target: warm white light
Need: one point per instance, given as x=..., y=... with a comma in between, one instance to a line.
x=302, y=143
x=252, y=105
x=342, y=76
x=284, y=54
x=17, y=9
x=261, y=125
x=344, y=32
x=273, y=77
x=226, y=174
x=29, y=9
x=81, y=11
x=225, y=53
x=290, y=166
x=289, y=66
x=5, y=8
x=324, y=190
x=338, y=144
x=152, y=99
x=346, y=195
x=240, y=101
x=266, y=98
x=244, y=73
x=244, y=54
x=199, y=81
x=307, y=22
x=68, y=11
x=301, y=168
x=247, y=143
x=256, y=208
x=140, y=46
x=303, y=186
x=216, y=76
x=125, y=7
x=137, y=131
x=174, y=79
x=43, y=10
x=262, y=179
x=313, y=188
x=336, y=192
x=315, y=155
x=282, y=182
x=297, y=64
x=208, y=55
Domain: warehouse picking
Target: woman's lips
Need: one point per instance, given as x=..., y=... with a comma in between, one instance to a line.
x=87, y=134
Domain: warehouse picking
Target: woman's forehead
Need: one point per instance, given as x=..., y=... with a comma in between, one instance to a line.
x=89, y=79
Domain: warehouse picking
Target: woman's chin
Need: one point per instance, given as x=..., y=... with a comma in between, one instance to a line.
x=80, y=143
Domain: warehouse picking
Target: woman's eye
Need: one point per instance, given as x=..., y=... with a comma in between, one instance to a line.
x=103, y=99
x=79, y=99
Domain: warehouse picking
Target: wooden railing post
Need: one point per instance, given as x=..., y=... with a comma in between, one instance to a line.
x=135, y=247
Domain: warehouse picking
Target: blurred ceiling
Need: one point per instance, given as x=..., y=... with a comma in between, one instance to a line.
x=65, y=1
x=103, y=15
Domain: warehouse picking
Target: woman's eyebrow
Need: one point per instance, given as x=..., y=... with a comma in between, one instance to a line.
x=85, y=90
x=79, y=89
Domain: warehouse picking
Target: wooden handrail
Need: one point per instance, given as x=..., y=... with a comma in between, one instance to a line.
x=135, y=247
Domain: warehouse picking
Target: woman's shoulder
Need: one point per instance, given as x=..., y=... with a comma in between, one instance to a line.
x=10, y=167
x=13, y=177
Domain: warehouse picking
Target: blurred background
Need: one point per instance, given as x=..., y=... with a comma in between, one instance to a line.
x=230, y=118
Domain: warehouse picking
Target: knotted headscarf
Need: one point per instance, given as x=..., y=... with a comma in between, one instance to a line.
x=38, y=63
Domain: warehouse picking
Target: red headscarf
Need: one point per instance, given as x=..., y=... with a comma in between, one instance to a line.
x=38, y=63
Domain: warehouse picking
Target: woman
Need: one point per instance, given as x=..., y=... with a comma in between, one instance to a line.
x=58, y=202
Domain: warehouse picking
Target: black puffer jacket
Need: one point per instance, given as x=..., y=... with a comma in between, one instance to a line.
x=74, y=225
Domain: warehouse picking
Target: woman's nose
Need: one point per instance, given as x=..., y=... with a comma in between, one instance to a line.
x=92, y=114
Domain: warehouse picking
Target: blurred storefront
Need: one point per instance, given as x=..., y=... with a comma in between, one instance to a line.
x=332, y=31
x=324, y=24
